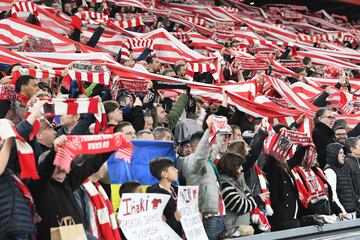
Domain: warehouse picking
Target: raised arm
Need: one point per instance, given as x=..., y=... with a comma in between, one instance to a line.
x=91, y=164
x=95, y=37
x=177, y=110
x=255, y=149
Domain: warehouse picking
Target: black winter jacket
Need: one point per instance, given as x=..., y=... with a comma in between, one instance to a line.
x=251, y=177
x=344, y=184
x=354, y=164
x=55, y=200
x=15, y=215
x=283, y=193
x=322, y=136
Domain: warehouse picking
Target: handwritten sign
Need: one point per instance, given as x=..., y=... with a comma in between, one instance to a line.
x=140, y=216
x=190, y=215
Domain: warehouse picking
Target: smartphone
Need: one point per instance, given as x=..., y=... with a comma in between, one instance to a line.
x=49, y=108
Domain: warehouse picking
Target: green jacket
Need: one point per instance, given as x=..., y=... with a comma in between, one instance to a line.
x=176, y=111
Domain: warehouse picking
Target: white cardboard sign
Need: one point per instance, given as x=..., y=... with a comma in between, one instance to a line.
x=140, y=215
x=190, y=215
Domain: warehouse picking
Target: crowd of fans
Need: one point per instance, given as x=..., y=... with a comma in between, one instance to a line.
x=229, y=171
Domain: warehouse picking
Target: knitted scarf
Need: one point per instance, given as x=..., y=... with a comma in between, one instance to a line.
x=219, y=124
x=201, y=67
x=105, y=226
x=100, y=77
x=268, y=210
x=24, y=150
x=129, y=23
x=36, y=73
x=22, y=99
x=92, y=144
x=310, y=184
x=280, y=144
x=23, y=7
x=73, y=106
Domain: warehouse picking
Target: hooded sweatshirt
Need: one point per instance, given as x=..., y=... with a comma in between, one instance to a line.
x=339, y=178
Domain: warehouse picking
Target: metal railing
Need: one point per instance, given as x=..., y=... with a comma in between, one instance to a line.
x=346, y=230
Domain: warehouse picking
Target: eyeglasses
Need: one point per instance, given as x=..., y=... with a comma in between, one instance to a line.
x=328, y=117
x=226, y=136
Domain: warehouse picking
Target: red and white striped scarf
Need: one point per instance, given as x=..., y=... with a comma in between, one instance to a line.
x=146, y=17
x=139, y=43
x=346, y=102
x=73, y=106
x=219, y=124
x=238, y=51
x=287, y=93
x=93, y=17
x=92, y=144
x=24, y=150
x=23, y=7
x=279, y=145
x=95, y=1
x=182, y=36
x=131, y=43
x=197, y=21
x=103, y=222
x=27, y=195
x=268, y=210
x=311, y=185
x=248, y=64
x=37, y=73
x=230, y=9
x=201, y=67
x=259, y=218
x=100, y=77
x=268, y=43
x=135, y=22
x=342, y=17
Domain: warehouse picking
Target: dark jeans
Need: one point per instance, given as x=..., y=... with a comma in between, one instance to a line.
x=214, y=226
x=22, y=237
x=17, y=237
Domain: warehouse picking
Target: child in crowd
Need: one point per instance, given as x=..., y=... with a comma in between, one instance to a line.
x=128, y=187
x=164, y=169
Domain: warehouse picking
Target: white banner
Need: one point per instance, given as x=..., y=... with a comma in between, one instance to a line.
x=140, y=216
x=190, y=216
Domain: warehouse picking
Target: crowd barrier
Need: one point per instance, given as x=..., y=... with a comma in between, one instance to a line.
x=347, y=230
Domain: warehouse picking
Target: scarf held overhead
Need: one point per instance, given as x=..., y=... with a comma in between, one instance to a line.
x=279, y=145
x=91, y=144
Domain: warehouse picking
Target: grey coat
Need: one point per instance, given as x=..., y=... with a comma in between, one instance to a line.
x=197, y=170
